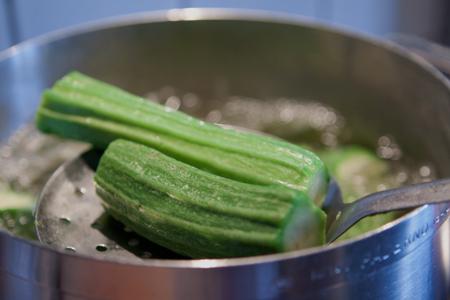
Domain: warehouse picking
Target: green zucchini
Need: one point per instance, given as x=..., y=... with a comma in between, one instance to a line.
x=16, y=212
x=18, y=221
x=200, y=214
x=358, y=171
x=86, y=109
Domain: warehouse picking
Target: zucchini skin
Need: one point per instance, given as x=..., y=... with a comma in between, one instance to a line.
x=82, y=108
x=199, y=214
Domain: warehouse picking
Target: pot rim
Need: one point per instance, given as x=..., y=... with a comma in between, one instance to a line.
x=225, y=14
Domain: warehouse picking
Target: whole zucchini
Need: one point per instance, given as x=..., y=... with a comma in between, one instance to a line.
x=200, y=214
x=86, y=109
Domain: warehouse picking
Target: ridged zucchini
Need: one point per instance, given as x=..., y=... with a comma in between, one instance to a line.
x=200, y=214
x=86, y=109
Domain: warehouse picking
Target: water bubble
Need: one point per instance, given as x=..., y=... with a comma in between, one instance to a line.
x=166, y=91
x=331, y=117
x=329, y=139
x=287, y=114
x=385, y=152
x=401, y=177
x=190, y=100
x=397, y=153
x=23, y=220
x=173, y=102
x=214, y=116
x=384, y=141
x=425, y=171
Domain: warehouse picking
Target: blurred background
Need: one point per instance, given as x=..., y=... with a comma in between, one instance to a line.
x=430, y=19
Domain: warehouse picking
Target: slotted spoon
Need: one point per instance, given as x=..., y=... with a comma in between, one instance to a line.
x=342, y=216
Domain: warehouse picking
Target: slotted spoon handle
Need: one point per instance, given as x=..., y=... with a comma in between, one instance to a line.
x=433, y=192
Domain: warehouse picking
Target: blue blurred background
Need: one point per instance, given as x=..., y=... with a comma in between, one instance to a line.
x=23, y=19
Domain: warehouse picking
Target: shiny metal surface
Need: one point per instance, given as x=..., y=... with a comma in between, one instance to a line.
x=379, y=88
x=341, y=216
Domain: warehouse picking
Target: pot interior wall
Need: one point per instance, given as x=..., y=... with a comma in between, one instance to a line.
x=378, y=92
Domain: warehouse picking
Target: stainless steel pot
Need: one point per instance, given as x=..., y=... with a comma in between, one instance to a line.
x=378, y=87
